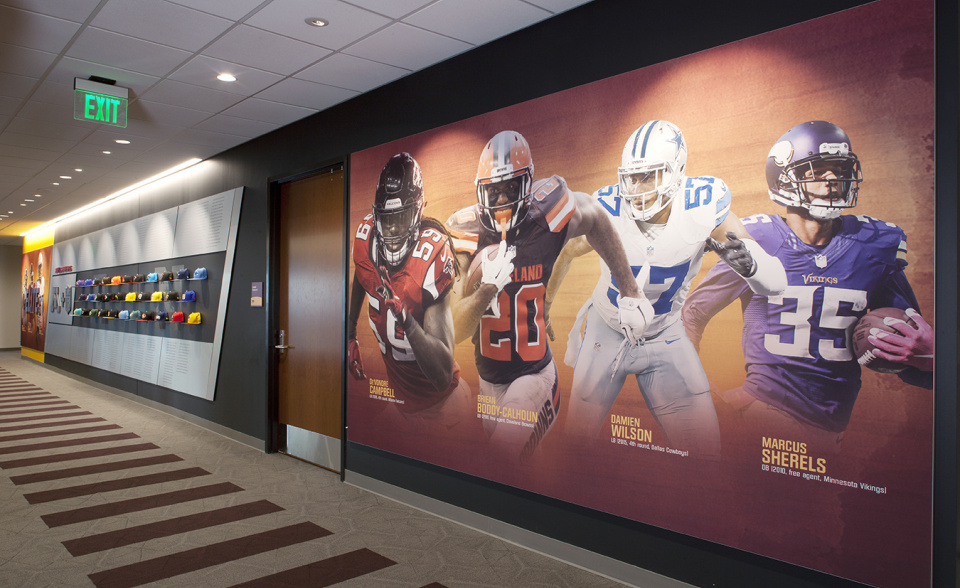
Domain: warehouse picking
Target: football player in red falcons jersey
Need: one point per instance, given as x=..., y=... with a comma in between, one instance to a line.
x=405, y=269
x=529, y=222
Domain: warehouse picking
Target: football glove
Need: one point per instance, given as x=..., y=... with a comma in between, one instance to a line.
x=354, y=363
x=735, y=254
x=498, y=271
x=393, y=303
x=635, y=314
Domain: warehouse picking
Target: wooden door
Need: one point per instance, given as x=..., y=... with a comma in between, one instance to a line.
x=310, y=300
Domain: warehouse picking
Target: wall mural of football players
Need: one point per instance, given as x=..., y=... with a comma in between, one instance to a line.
x=405, y=270
x=802, y=375
x=862, y=512
x=36, y=274
x=527, y=222
x=666, y=222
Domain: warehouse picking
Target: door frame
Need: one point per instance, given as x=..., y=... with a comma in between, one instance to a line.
x=274, y=432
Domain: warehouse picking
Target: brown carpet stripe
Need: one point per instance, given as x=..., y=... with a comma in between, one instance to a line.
x=53, y=424
x=113, y=466
x=325, y=572
x=112, y=485
x=31, y=402
x=111, y=509
x=169, y=527
x=29, y=461
x=40, y=434
x=33, y=410
x=22, y=396
x=46, y=416
x=67, y=443
x=192, y=560
x=11, y=390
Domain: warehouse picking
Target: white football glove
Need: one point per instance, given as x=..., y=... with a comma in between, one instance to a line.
x=497, y=271
x=635, y=314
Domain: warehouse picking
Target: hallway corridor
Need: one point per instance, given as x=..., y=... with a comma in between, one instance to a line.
x=99, y=490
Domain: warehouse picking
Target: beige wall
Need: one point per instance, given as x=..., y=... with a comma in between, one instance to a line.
x=11, y=257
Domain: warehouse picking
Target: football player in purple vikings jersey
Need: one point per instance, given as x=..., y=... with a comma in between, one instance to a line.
x=529, y=221
x=797, y=346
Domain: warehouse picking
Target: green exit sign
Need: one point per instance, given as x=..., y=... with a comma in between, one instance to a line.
x=100, y=103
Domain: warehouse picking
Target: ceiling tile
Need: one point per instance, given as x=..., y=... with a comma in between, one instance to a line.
x=556, y=6
x=14, y=86
x=68, y=68
x=347, y=23
x=165, y=114
x=75, y=10
x=127, y=53
x=406, y=46
x=232, y=9
x=306, y=94
x=190, y=96
x=217, y=141
x=19, y=151
x=233, y=125
x=262, y=50
x=391, y=8
x=160, y=22
x=353, y=73
x=203, y=71
x=34, y=142
x=36, y=31
x=51, y=130
x=477, y=22
x=271, y=112
x=155, y=128
x=23, y=61
x=8, y=105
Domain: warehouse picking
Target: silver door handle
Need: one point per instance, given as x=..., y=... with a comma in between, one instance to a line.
x=281, y=345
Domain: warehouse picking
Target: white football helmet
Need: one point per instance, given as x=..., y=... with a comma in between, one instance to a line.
x=652, y=168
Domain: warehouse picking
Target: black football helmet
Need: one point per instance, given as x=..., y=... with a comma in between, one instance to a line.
x=398, y=208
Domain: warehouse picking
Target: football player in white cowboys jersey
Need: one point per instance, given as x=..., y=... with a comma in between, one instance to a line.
x=666, y=222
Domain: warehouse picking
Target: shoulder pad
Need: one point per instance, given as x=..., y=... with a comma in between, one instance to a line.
x=766, y=230
x=464, y=227
x=880, y=234
x=554, y=201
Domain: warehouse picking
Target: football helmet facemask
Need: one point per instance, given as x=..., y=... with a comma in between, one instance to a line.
x=504, y=179
x=813, y=166
x=398, y=208
x=652, y=168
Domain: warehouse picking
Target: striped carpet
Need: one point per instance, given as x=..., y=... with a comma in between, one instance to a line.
x=97, y=490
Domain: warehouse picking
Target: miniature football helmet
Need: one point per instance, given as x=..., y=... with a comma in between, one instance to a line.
x=652, y=168
x=813, y=166
x=504, y=179
x=398, y=208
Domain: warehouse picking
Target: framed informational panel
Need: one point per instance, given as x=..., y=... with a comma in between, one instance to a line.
x=138, y=287
x=742, y=415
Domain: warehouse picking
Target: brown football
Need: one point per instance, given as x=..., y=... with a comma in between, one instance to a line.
x=475, y=272
x=863, y=349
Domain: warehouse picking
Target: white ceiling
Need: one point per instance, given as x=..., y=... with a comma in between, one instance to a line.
x=169, y=52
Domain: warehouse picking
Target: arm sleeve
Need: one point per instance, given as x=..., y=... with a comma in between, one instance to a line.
x=769, y=279
x=719, y=288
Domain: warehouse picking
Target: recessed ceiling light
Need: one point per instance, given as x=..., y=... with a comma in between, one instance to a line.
x=78, y=170
x=22, y=204
x=27, y=200
x=36, y=196
x=3, y=216
x=66, y=177
x=122, y=141
x=316, y=22
x=225, y=77
x=105, y=152
x=54, y=183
